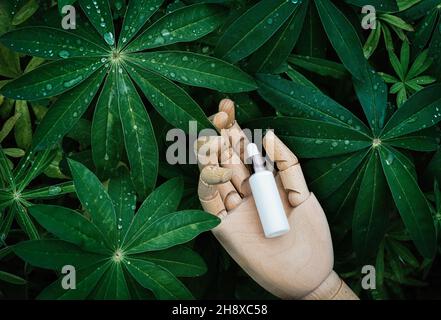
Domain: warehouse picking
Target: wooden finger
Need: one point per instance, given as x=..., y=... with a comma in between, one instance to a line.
x=211, y=199
x=289, y=167
x=229, y=195
x=240, y=173
x=214, y=175
x=208, y=150
x=227, y=106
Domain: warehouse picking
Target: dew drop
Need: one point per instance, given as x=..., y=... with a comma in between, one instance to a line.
x=64, y=54
x=108, y=37
x=54, y=190
x=70, y=83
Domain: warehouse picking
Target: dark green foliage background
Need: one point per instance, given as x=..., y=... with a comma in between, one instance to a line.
x=361, y=109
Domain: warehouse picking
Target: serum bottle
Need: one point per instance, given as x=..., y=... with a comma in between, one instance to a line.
x=266, y=196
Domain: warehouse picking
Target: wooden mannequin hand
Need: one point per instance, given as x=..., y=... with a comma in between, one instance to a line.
x=295, y=265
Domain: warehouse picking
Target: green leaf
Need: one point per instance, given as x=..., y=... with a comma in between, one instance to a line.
x=162, y=201
x=372, y=42
x=403, y=253
x=314, y=138
x=396, y=65
x=423, y=141
x=66, y=111
x=183, y=25
x=54, y=254
x=343, y=37
x=179, y=260
x=25, y=222
x=100, y=15
x=301, y=101
x=137, y=14
x=319, y=66
x=380, y=5
x=106, y=134
x=173, y=229
x=49, y=191
x=8, y=125
x=372, y=93
x=298, y=78
x=422, y=110
x=9, y=63
x=11, y=278
x=421, y=64
x=113, y=285
x=328, y=174
x=25, y=12
x=86, y=280
x=252, y=29
x=50, y=43
x=51, y=79
x=123, y=195
x=139, y=137
x=94, y=199
x=196, y=70
x=405, y=56
x=312, y=41
x=371, y=211
x=5, y=171
x=277, y=49
x=23, y=126
x=163, y=284
x=70, y=226
x=171, y=101
x=410, y=201
x=14, y=152
x=396, y=21
x=342, y=202
x=388, y=41
x=32, y=166
x=423, y=31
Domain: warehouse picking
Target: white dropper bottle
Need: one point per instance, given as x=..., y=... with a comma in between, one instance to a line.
x=266, y=196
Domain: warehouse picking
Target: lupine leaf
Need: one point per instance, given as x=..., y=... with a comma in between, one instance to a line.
x=162, y=201
x=179, y=260
x=370, y=212
x=253, y=29
x=410, y=201
x=94, y=199
x=139, y=137
x=343, y=37
x=70, y=226
x=422, y=110
x=137, y=14
x=171, y=101
x=196, y=70
x=51, y=79
x=106, y=137
x=54, y=254
x=50, y=43
x=173, y=229
x=66, y=111
x=275, y=51
x=183, y=25
x=163, y=283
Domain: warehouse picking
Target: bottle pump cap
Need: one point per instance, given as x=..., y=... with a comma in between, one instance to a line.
x=258, y=161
